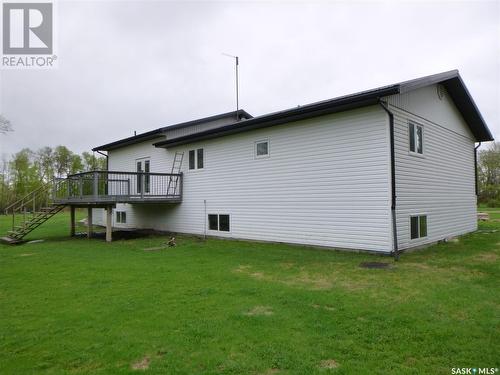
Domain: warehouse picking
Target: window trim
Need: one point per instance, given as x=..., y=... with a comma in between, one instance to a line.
x=119, y=216
x=208, y=222
x=416, y=125
x=265, y=156
x=218, y=214
x=195, y=151
x=418, y=216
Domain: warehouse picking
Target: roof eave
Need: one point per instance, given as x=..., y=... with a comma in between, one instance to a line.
x=460, y=95
x=468, y=109
x=295, y=114
x=152, y=134
x=129, y=141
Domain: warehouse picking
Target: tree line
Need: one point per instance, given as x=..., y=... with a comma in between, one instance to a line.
x=28, y=170
x=488, y=170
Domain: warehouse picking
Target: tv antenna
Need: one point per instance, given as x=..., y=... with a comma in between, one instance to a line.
x=236, y=62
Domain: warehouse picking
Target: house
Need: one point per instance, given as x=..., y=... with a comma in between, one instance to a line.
x=382, y=170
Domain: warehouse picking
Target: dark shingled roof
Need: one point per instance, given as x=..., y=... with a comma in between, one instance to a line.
x=451, y=80
x=160, y=131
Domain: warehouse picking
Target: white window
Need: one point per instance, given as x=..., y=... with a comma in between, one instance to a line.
x=196, y=159
x=121, y=217
x=418, y=226
x=219, y=222
x=262, y=148
x=416, y=138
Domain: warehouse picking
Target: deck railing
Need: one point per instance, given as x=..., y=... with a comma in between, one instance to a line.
x=114, y=186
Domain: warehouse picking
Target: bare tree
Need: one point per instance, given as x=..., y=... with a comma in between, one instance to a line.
x=5, y=125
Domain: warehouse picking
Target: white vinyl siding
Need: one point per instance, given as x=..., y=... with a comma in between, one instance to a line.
x=441, y=183
x=327, y=183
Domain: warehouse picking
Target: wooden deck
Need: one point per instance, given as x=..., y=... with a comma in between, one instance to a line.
x=104, y=188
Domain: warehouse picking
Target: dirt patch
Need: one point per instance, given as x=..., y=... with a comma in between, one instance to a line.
x=287, y=265
x=411, y=361
x=421, y=266
x=487, y=257
x=154, y=248
x=325, y=307
x=257, y=275
x=304, y=279
x=26, y=254
x=328, y=364
x=487, y=231
x=460, y=315
x=271, y=371
x=260, y=311
x=242, y=268
x=314, y=281
x=142, y=364
x=445, y=273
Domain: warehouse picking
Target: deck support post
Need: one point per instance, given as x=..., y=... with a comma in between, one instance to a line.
x=89, y=222
x=72, y=221
x=109, y=227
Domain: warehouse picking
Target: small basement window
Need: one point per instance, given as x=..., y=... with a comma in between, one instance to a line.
x=416, y=134
x=218, y=222
x=262, y=148
x=121, y=217
x=418, y=226
x=213, y=222
x=196, y=159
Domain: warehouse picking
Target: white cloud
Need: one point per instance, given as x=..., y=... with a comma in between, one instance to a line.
x=128, y=66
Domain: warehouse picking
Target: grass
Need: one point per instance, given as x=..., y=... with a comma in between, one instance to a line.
x=494, y=212
x=78, y=306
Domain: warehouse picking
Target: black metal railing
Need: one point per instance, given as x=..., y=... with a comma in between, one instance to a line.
x=114, y=186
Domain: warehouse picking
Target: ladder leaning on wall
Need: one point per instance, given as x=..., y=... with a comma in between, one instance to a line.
x=173, y=181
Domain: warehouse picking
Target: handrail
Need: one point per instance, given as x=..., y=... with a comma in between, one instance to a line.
x=33, y=199
x=99, y=187
x=6, y=209
x=118, y=186
x=122, y=172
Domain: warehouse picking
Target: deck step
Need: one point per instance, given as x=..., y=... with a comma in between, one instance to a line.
x=32, y=219
x=10, y=240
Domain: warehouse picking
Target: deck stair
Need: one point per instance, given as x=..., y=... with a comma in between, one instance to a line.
x=93, y=189
x=31, y=211
x=18, y=232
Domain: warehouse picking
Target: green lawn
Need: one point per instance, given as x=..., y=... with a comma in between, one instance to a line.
x=493, y=212
x=229, y=307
